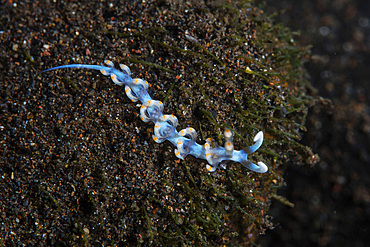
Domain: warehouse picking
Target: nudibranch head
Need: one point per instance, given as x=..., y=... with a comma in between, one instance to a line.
x=216, y=155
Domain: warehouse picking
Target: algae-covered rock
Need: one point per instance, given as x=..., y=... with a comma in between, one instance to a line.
x=78, y=165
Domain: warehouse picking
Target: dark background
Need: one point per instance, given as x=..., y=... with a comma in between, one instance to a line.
x=332, y=198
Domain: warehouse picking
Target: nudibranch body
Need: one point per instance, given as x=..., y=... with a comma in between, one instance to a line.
x=165, y=125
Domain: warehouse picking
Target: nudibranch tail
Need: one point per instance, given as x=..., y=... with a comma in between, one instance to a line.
x=118, y=77
x=165, y=125
x=77, y=66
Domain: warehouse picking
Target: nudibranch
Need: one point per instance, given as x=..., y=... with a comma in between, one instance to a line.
x=165, y=125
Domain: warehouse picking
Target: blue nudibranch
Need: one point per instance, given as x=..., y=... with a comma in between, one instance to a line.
x=165, y=125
